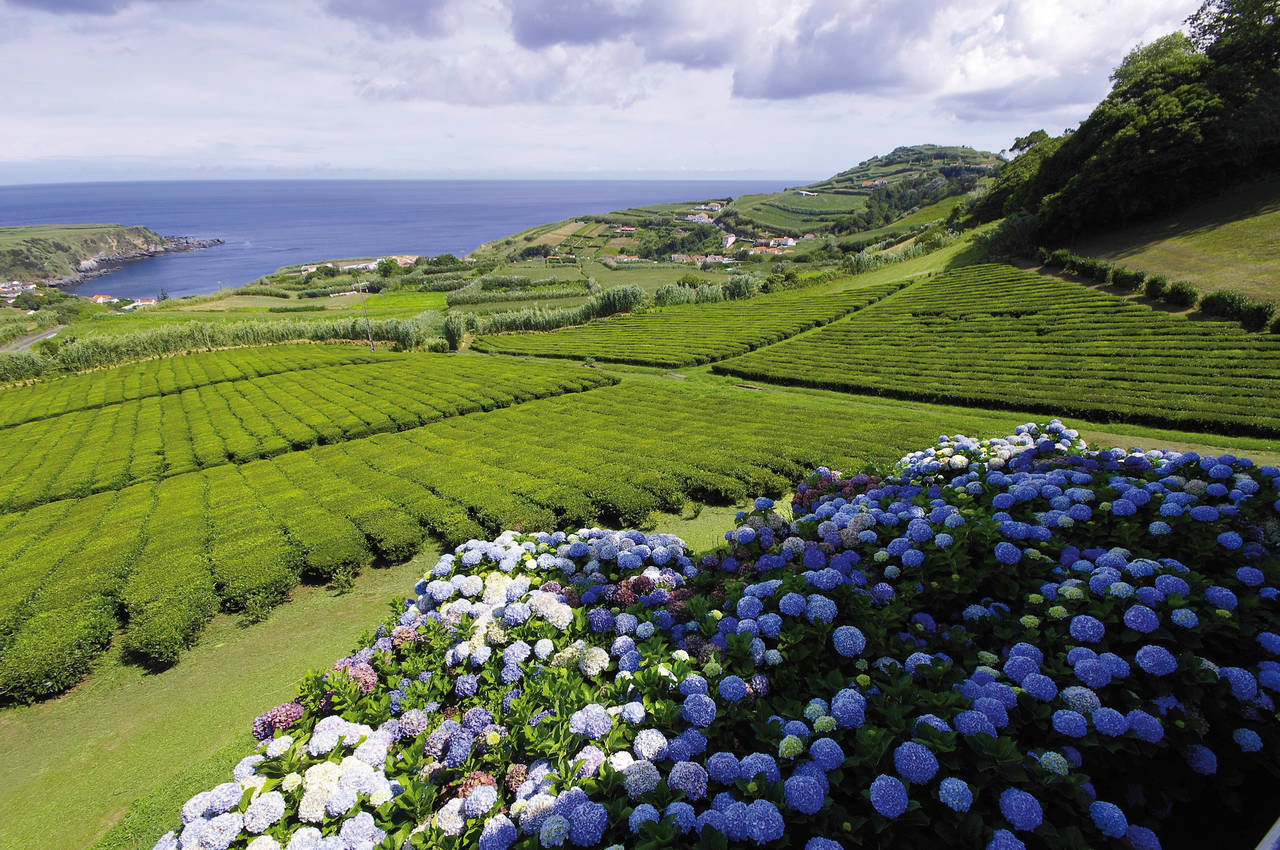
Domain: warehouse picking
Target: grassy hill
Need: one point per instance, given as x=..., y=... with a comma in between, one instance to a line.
x=45, y=252
x=877, y=185
x=1228, y=242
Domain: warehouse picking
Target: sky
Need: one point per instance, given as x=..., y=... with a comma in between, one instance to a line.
x=221, y=89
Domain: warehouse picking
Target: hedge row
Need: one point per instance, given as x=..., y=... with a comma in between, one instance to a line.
x=696, y=333
x=172, y=374
x=109, y=447
x=995, y=336
x=1252, y=314
x=167, y=555
x=93, y=352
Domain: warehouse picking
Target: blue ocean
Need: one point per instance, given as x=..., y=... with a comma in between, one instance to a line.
x=266, y=224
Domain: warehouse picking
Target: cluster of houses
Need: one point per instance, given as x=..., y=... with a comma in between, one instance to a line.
x=132, y=305
x=12, y=289
x=766, y=244
x=401, y=260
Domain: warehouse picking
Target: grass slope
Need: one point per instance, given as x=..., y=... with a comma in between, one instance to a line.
x=44, y=251
x=1227, y=242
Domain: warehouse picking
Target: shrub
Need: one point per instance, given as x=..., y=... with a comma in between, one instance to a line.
x=1182, y=294
x=269, y=291
x=1128, y=279
x=1256, y=315
x=992, y=662
x=1227, y=304
x=740, y=286
x=1060, y=259
x=1156, y=286
x=454, y=329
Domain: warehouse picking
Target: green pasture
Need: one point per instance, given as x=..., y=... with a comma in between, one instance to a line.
x=1228, y=242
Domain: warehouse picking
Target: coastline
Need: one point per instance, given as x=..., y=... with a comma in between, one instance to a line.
x=104, y=264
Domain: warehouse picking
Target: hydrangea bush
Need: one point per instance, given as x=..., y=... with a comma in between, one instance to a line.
x=1004, y=643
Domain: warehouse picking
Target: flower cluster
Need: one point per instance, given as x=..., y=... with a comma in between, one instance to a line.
x=1005, y=643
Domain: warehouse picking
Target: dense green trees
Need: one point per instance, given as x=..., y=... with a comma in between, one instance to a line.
x=1186, y=117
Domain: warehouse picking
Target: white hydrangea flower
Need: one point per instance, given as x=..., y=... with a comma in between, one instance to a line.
x=594, y=662
x=279, y=746
x=264, y=842
x=311, y=809
x=291, y=781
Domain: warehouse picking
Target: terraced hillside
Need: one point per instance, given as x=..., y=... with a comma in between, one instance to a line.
x=690, y=334
x=117, y=444
x=169, y=375
x=885, y=186
x=159, y=558
x=995, y=336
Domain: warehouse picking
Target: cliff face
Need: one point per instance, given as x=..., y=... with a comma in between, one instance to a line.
x=61, y=254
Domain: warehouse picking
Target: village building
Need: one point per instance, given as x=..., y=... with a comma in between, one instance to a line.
x=103, y=299
x=727, y=240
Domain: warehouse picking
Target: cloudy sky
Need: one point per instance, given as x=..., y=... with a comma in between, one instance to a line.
x=138, y=89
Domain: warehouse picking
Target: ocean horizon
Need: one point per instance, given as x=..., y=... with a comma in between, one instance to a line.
x=266, y=224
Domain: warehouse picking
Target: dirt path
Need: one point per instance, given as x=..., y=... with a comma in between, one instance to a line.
x=22, y=343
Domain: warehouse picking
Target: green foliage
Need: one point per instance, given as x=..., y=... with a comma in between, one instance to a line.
x=1182, y=294
x=620, y=299
x=93, y=352
x=1228, y=304
x=691, y=332
x=1184, y=117
x=453, y=330
x=1156, y=286
x=1069, y=349
x=269, y=291
x=296, y=308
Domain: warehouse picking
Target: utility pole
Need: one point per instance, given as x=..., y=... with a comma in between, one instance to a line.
x=367, y=327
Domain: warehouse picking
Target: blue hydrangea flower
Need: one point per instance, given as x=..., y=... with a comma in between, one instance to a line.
x=849, y=641
x=915, y=762
x=955, y=794
x=1007, y=553
x=888, y=796
x=1070, y=723
x=1087, y=629
x=1202, y=760
x=699, y=709
x=640, y=815
x=826, y=753
x=819, y=843
x=1020, y=809
x=764, y=822
x=1110, y=722
x=723, y=768
x=1156, y=660
x=804, y=794
x=1003, y=839
x=1142, y=619
x=1248, y=740
x=499, y=833
x=733, y=688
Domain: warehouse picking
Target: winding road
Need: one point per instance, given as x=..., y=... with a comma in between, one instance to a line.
x=22, y=343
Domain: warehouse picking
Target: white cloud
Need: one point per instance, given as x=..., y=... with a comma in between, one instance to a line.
x=539, y=87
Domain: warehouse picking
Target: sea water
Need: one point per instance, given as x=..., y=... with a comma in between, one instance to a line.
x=266, y=224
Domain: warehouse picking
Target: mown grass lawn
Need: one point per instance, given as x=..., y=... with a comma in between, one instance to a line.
x=1223, y=243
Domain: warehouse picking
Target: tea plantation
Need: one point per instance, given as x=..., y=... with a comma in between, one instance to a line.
x=995, y=336
x=117, y=444
x=161, y=557
x=689, y=334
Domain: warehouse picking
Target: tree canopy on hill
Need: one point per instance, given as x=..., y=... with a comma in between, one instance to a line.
x=1186, y=115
